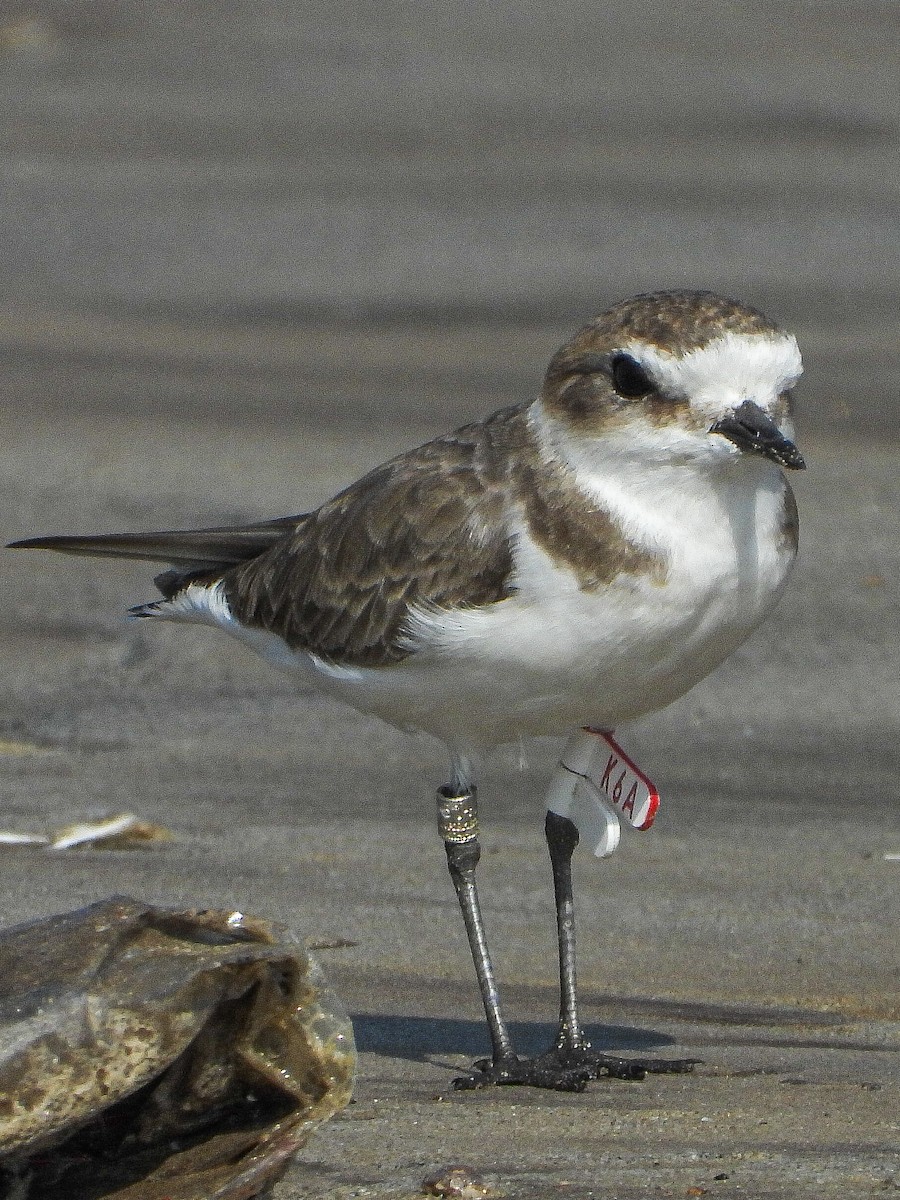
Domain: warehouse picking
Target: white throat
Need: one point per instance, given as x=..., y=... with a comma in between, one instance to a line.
x=658, y=496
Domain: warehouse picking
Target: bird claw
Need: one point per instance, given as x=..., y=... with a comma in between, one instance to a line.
x=563, y=1070
x=547, y=1071
x=626, y=1068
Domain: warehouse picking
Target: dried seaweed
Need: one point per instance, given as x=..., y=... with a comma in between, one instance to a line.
x=148, y=1053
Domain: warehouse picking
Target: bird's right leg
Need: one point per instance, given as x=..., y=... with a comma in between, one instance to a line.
x=458, y=825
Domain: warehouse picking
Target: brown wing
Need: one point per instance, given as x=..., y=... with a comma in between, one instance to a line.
x=428, y=528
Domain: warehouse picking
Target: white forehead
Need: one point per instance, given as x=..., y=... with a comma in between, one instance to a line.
x=753, y=366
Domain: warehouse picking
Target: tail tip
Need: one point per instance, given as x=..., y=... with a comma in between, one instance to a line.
x=150, y=609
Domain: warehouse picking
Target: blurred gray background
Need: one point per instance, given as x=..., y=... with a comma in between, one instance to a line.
x=249, y=250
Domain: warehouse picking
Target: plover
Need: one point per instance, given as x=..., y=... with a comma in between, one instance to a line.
x=579, y=559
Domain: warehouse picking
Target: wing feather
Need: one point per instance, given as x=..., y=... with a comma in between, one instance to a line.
x=198, y=548
x=428, y=529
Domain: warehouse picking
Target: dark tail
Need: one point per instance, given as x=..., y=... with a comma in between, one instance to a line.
x=197, y=549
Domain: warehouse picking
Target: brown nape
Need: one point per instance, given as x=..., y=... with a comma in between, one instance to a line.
x=586, y=401
x=576, y=381
x=678, y=321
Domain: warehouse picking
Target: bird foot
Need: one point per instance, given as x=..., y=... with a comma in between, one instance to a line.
x=567, y=1070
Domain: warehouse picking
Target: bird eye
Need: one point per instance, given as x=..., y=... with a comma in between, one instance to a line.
x=629, y=378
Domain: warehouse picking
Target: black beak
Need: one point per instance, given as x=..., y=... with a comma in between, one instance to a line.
x=751, y=429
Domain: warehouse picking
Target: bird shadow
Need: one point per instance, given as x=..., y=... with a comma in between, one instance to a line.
x=419, y=1038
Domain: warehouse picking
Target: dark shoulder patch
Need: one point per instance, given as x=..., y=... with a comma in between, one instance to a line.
x=571, y=531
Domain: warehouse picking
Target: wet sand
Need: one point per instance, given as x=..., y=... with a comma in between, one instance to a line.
x=249, y=255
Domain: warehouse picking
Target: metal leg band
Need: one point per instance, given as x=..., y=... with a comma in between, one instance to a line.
x=457, y=817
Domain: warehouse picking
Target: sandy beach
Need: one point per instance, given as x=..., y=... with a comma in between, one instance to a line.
x=251, y=251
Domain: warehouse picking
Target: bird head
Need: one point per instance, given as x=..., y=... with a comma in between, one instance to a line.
x=679, y=376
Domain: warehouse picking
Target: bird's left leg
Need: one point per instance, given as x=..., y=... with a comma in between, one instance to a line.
x=572, y=1051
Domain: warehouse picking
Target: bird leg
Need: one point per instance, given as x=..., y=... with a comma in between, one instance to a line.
x=571, y=1062
x=562, y=838
x=458, y=825
x=572, y=1051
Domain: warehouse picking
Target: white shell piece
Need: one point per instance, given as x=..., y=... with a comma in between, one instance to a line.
x=93, y=831
x=23, y=839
